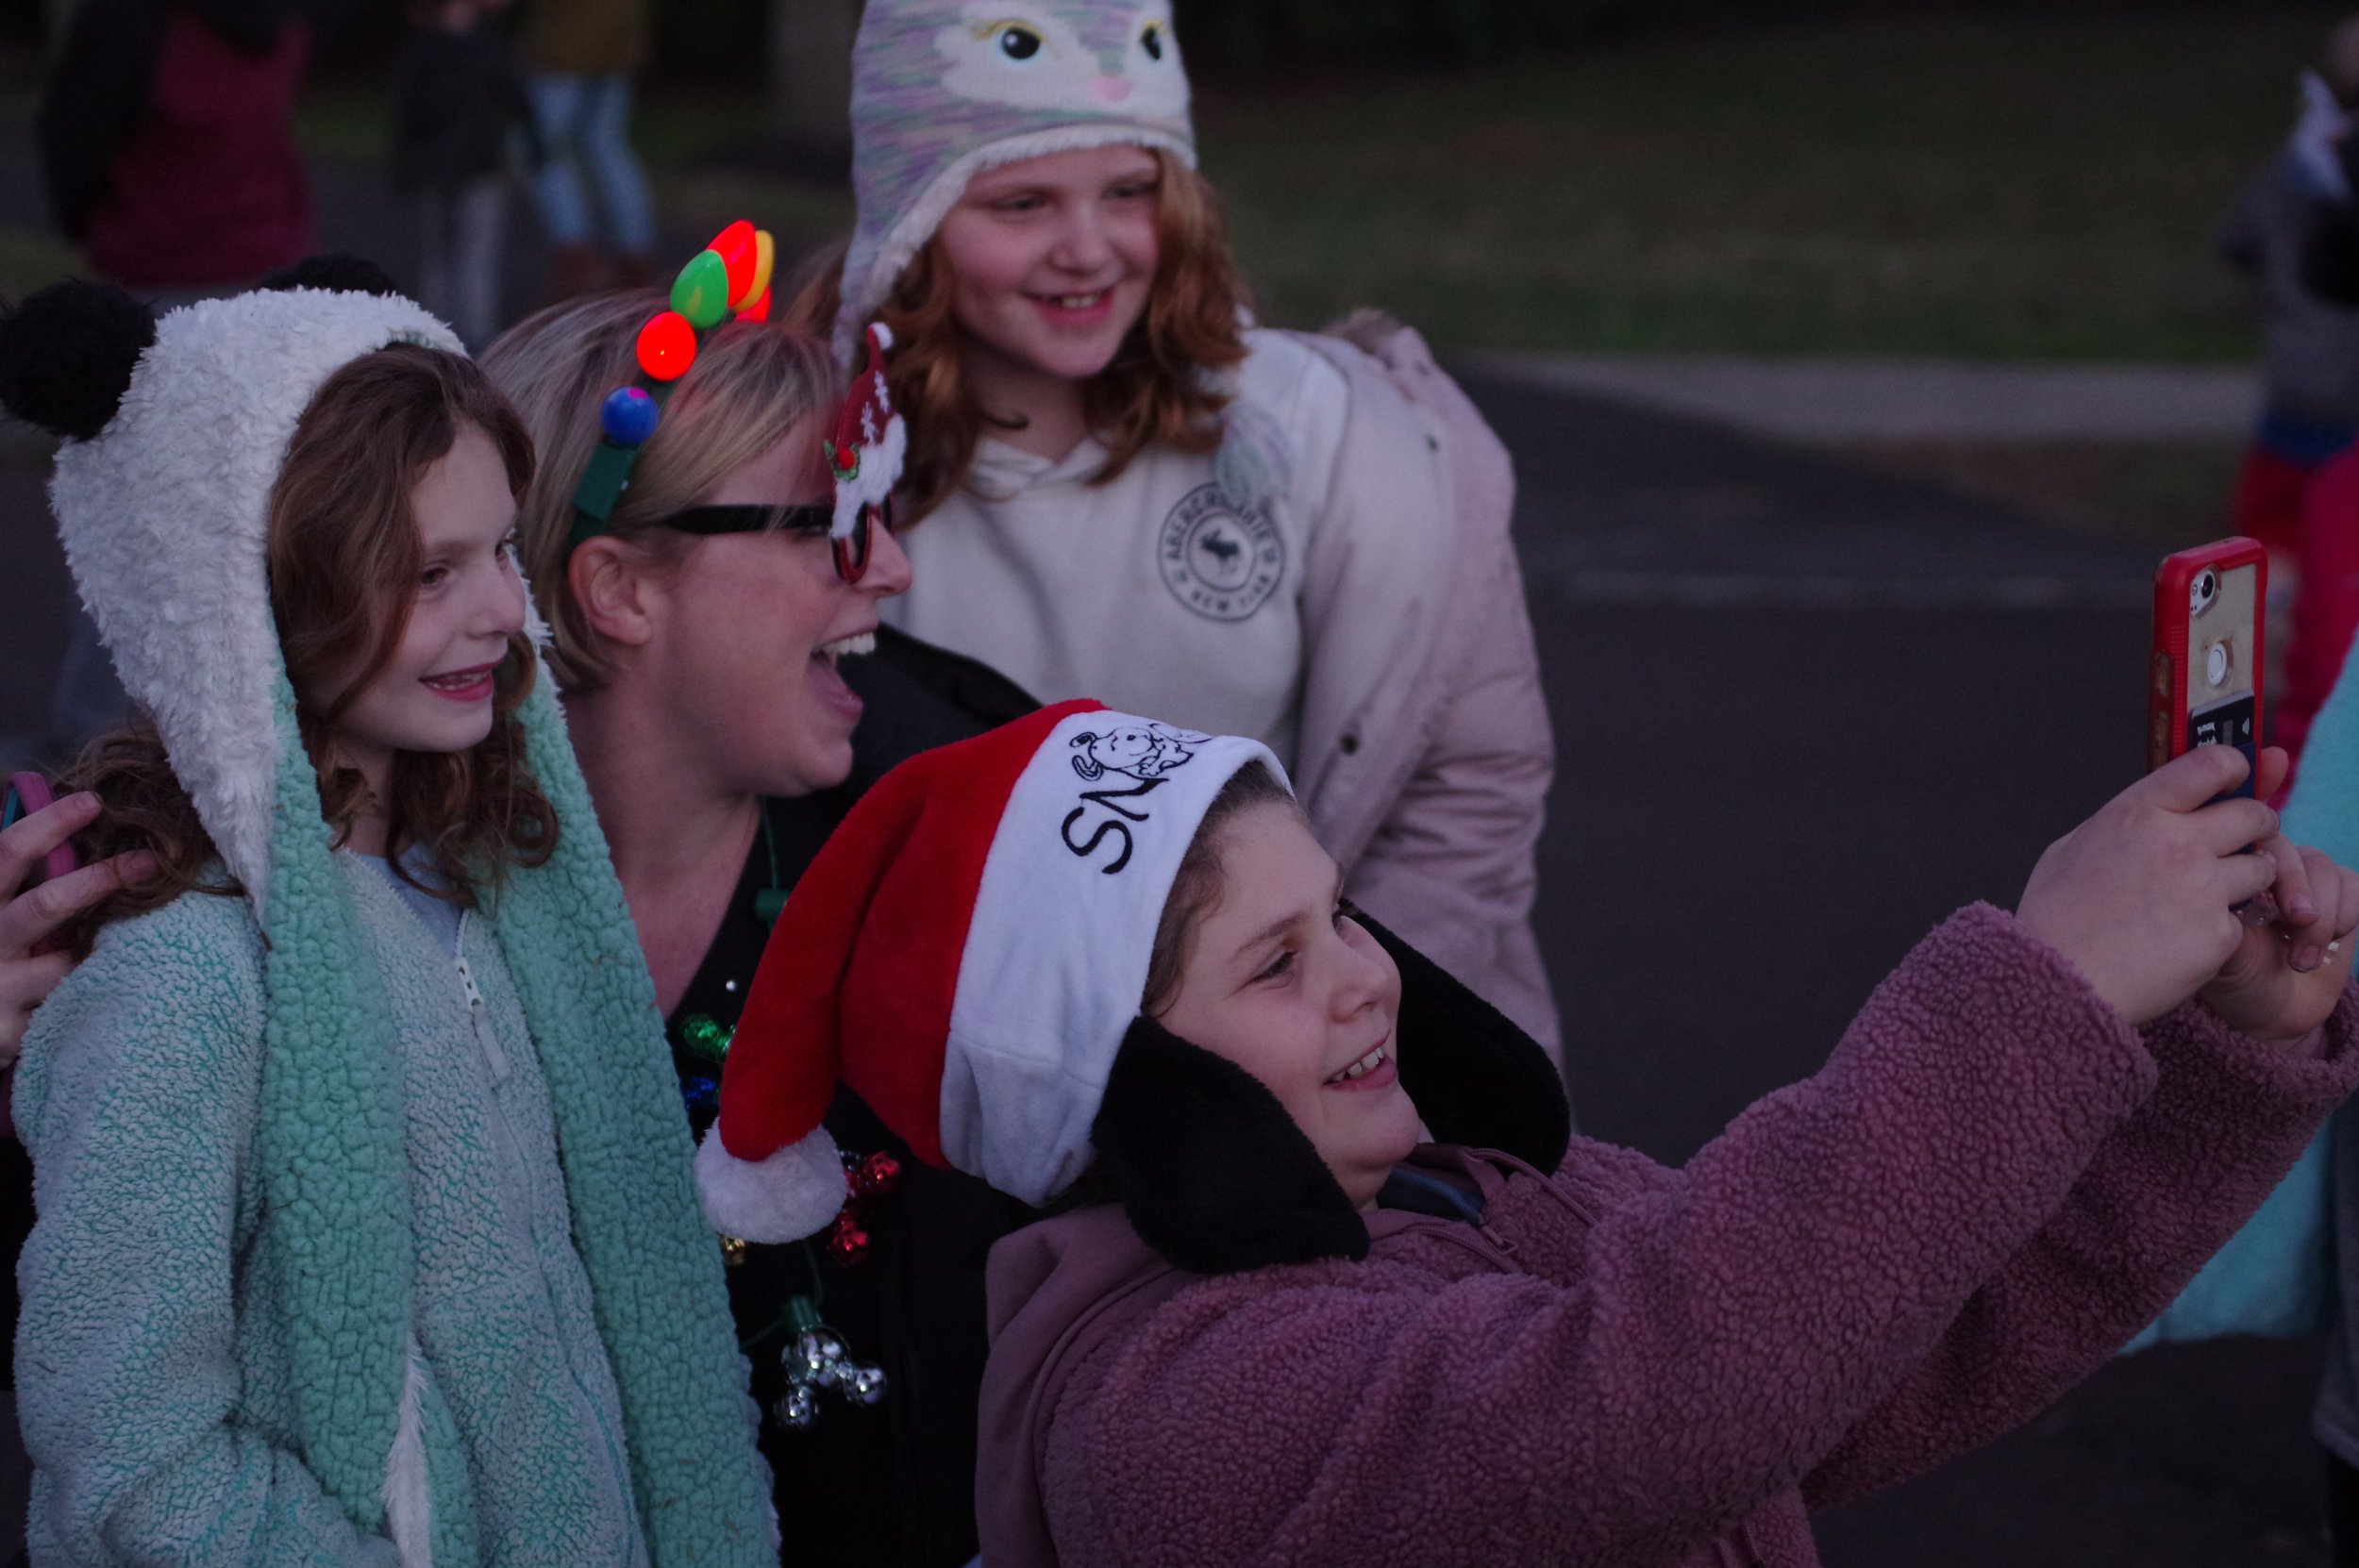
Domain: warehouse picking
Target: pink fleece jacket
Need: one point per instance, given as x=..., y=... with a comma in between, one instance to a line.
x=1993, y=1183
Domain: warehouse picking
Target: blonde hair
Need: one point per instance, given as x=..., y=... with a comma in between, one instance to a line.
x=752, y=383
x=1161, y=389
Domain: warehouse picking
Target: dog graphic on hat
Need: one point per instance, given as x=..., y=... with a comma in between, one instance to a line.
x=1145, y=752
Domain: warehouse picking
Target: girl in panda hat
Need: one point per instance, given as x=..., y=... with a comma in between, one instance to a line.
x=1092, y=957
x=366, y=1232
x=1116, y=486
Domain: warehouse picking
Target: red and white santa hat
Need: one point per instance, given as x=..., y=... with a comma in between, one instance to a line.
x=966, y=954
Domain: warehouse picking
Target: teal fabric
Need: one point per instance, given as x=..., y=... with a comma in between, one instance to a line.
x=2277, y=1275
x=2274, y=1278
x=231, y=1259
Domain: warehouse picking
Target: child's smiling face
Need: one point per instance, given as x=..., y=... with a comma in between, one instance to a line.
x=1053, y=259
x=435, y=693
x=1281, y=981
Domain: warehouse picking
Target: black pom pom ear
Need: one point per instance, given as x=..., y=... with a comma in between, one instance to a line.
x=335, y=271
x=1214, y=1175
x=67, y=353
x=1475, y=1077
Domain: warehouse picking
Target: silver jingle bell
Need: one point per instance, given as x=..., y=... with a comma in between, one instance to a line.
x=799, y=1409
x=862, y=1385
x=818, y=1357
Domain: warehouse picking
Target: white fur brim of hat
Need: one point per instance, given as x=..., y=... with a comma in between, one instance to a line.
x=165, y=515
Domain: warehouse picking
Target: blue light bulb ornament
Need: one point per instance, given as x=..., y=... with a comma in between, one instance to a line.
x=629, y=416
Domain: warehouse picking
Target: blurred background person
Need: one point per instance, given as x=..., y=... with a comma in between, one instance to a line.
x=166, y=132
x=460, y=109
x=2310, y=357
x=167, y=143
x=584, y=56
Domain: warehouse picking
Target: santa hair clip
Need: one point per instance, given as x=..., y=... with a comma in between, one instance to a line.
x=865, y=452
x=728, y=280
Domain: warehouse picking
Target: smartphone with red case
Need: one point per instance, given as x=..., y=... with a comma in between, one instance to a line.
x=2204, y=683
x=29, y=793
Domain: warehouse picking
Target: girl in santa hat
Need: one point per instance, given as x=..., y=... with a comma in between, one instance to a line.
x=366, y=1232
x=1117, y=485
x=1276, y=1327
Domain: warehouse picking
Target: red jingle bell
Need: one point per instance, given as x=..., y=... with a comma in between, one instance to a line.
x=879, y=1173
x=847, y=1244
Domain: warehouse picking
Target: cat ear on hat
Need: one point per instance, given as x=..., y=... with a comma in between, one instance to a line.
x=67, y=353
x=1213, y=1173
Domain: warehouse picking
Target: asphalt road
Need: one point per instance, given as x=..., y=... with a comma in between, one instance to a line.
x=1804, y=711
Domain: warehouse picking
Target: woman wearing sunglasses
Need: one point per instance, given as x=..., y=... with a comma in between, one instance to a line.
x=705, y=630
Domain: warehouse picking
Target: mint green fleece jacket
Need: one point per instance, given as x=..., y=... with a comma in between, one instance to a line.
x=155, y=1371
x=210, y=1363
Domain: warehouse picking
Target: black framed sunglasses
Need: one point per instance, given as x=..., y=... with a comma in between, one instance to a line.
x=851, y=554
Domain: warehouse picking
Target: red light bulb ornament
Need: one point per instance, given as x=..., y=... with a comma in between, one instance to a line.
x=734, y=271
x=736, y=246
x=668, y=346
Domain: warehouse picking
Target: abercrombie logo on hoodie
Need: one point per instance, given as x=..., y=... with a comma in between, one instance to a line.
x=1220, y=562
x=1142, y=753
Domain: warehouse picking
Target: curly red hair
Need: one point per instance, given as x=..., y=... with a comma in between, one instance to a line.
x=1161, y=387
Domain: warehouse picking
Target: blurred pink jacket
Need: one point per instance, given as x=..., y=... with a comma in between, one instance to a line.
x=1990, y=1187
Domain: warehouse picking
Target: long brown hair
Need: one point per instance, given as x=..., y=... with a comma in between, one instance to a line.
x=1162, y=387
x=344, y=557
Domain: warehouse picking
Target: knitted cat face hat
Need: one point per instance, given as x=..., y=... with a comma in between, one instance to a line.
x=944, y=90
x=968, y=952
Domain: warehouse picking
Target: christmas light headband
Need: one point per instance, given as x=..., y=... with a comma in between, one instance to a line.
x=728, y=279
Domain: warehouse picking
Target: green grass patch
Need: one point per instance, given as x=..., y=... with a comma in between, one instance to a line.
x=2016, y=189
x=2005, y=188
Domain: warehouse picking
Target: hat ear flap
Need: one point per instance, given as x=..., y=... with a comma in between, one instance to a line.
x=1478, y=1080
x=1213, y=1172
x=67, y=355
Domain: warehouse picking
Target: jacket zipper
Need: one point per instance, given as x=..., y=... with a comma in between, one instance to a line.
x=478, y=1013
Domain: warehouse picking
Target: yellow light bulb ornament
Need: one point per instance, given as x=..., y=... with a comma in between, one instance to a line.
x=765, y=258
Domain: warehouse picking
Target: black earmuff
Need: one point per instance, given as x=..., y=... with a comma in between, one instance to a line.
x=67, y=353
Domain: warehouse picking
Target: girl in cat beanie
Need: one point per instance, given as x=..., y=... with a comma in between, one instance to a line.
x=1117, y=485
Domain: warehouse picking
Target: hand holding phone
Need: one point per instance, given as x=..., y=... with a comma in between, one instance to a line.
x=2204, y=685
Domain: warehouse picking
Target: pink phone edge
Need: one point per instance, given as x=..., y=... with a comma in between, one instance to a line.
x=34, y=791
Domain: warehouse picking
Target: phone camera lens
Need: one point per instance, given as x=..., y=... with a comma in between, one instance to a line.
x=2203, y=591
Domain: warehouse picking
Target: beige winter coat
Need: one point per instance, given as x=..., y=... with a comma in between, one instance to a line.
x=1337, y=582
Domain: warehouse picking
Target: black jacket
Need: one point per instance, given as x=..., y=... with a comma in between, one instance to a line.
x=891, y=1486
